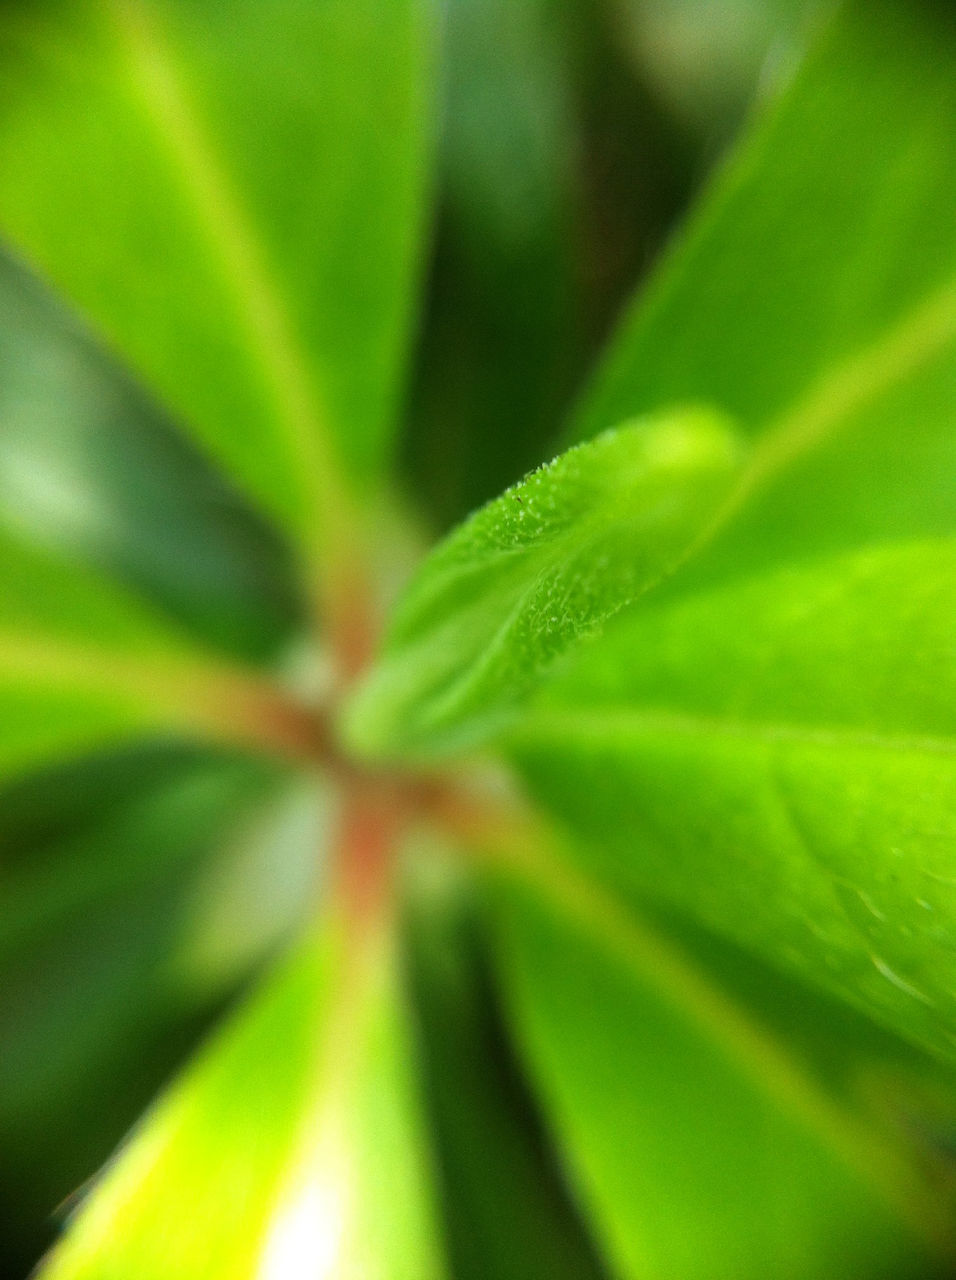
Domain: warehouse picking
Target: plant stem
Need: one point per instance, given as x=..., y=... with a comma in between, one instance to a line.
x=183, y=693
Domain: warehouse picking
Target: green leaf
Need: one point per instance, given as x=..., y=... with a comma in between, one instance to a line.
x=502, y=343
x=290, y=1147
x=100, y=861
x=699, y=1147
x=151, y=811
x=90, y=469
x=233, y=194
x=507, y=1213
x=84, y=662
x=813, y=299
x=778, y=757
x=536, y=572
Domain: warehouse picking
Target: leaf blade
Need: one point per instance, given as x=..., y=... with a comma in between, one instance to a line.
x=678, y=1116
x=820, y=334
x=281, y=1147
x=223, y=284
x=536, y=572
x=90, y=470
x=817, y=739
x=84, y=661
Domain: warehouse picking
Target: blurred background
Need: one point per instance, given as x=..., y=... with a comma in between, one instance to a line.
x=573, y=136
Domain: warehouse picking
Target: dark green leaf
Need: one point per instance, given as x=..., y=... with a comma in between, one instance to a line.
x=90, y=469
x=501, y=347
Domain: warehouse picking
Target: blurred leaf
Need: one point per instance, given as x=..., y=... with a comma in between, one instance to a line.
x=290, y=1147
x=792, y=781
x=813, y=298
x=699, y=1147
x=88, y=468
x=259, y=889
x=537, y=571
x=501, y=346
x=507, y=1213
x=707, y=59
x=233, y=193
x=151, y=808
x=100, y=860
x=83, y=661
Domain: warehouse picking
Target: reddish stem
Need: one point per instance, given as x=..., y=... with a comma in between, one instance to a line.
x=374, y=815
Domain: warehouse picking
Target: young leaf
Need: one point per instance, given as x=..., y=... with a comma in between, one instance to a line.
x=537, y=571
x=291, y=1148
x=813, y=298
x=233, y=195
x=82, y=662
x=778, y=757
x=699, y=1148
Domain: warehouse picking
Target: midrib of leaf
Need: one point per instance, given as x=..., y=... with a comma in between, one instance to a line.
x=244, y=261
x=657, y=962
x=218, y=702
x=576, y=722
x=922, y=333
x=325, y=1150
x=321, y=1145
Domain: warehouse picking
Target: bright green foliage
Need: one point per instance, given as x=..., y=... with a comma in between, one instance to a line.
x=538, y=571
x=290, y=1148
x=693, y=1018
x=813, y=298
x=791, y=786
x=232, y=193
x=694, y=1153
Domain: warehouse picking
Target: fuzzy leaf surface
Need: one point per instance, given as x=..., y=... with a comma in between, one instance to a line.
x=536, y=572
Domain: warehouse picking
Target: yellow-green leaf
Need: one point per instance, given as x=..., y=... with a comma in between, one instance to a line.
x=813, y=298
x=290, y=1148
